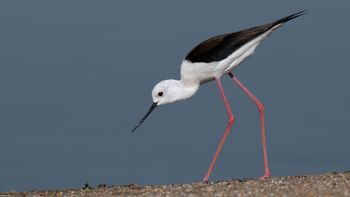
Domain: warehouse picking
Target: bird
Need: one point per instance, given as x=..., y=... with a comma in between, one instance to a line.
x=209, y=61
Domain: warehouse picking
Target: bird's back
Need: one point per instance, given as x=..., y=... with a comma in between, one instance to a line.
x=220, y=47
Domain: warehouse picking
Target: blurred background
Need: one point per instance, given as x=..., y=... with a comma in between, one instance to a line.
x=76, y=76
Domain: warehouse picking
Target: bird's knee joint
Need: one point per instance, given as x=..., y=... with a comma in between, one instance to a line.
x=231, y=120
x=260, y=107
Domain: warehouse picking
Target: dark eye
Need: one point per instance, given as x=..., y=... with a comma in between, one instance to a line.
x=160, y=93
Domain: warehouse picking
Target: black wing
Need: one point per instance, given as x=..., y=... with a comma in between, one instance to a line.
x=219, y=47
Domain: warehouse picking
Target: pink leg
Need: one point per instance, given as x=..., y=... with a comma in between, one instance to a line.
x=227, y=131
x=262, y=122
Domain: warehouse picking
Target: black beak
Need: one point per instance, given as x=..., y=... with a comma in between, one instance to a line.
x=153, y=106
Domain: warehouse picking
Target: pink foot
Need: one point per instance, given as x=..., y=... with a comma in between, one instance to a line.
x=205, y=180
x=265, y=177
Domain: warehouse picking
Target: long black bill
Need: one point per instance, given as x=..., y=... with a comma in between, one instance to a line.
x=153, y=106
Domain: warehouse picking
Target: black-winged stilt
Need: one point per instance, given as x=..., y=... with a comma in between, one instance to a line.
x=209, y=61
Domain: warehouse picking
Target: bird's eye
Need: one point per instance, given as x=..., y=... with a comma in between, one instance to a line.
x=160, y=93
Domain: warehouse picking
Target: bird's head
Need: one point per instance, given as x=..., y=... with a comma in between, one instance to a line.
x=168, y=91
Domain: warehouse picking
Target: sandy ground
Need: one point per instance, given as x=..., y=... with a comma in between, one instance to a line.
x=330, y=184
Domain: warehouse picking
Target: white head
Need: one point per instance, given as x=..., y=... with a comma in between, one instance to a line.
x=168, y=91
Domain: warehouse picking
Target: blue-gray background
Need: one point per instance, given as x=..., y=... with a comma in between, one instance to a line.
x=77, y=75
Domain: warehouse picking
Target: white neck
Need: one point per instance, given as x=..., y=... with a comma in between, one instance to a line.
x=185, y=91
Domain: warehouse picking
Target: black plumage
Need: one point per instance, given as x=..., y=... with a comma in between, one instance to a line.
x=221, y=46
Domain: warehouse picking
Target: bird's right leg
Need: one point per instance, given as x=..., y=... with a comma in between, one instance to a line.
x=227, y=131
x=262, y=122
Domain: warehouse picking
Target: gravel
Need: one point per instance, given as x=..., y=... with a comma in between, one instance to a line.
x=329, y=184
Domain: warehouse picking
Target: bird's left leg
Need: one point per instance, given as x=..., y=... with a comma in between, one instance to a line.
x=231, y=120
x=262, y=122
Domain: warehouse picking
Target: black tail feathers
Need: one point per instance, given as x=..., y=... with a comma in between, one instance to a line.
x=290, y=17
